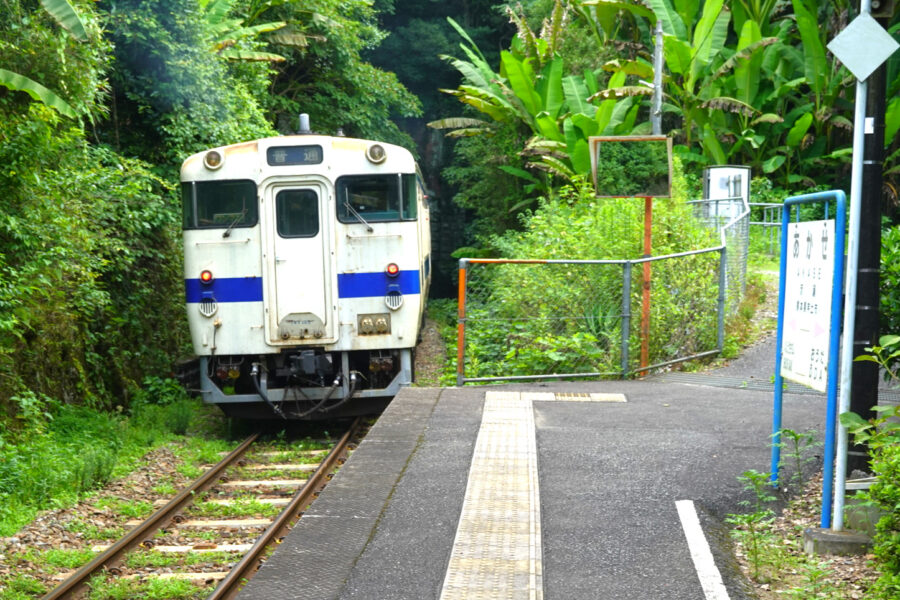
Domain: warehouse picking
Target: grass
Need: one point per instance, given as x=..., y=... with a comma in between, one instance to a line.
x=127, y=508
x=155, y=560
x=242, y=507
x=70, y=452
x=21, y=587
x=90, y=531
x=156, y=589
x=779, y=566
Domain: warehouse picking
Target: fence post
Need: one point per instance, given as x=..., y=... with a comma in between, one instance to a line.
x=626, y=315
x=720, y=328
x=645, y=303
x=461, y=323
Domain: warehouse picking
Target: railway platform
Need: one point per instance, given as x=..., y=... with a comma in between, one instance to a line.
x=613, y=490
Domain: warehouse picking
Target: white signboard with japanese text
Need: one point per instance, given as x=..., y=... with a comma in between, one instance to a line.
x=807, y=303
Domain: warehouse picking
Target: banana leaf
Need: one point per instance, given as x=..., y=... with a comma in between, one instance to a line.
x=20, y=83
x=66, y=15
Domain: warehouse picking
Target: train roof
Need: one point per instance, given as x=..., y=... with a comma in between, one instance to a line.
x=253, y=159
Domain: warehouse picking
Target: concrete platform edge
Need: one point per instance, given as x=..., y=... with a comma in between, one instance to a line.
x=334, y=532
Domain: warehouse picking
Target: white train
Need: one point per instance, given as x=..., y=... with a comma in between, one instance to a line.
x=307, y=262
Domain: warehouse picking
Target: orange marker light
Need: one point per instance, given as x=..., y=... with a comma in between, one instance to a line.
x=392, y=270
x=206, y=276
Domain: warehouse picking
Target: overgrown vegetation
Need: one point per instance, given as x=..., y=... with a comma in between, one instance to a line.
x=64, y=452
x=882, y=435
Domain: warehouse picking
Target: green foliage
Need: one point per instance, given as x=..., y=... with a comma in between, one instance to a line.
x=154, y=589
x=795, y=453
x=62, y=69
x=326, y=74
x=750, y=526
x=536, y=319
x=89, y=266
x=66, y=451
x=882, y=435
x=172, y=96
x=21, y=587
x=890, y=279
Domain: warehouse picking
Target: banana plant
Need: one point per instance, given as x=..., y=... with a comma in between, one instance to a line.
x=691, y=54
x=228, y=32
x=557, y=113
x=608, y=18
x=69, y=19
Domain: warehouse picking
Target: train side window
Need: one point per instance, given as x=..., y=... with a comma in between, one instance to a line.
x=220, y=204
x=373, y=197
x=297, y=213
x=410, y=197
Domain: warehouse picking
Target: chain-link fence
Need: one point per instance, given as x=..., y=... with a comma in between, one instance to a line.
x=540, y=319
x=731, y=218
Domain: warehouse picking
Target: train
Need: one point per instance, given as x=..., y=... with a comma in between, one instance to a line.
x=307, y=263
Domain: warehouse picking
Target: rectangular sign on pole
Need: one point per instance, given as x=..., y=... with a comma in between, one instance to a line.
x=807, y=303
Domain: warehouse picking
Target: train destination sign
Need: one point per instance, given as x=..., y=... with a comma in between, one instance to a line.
x=807, y=302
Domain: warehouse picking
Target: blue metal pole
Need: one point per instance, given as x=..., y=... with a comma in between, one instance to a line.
x=834, y=348
x=779, y=338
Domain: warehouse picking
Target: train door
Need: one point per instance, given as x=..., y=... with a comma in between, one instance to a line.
x=298, y=264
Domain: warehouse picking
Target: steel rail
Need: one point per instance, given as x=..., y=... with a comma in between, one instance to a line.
x=244, y=569
x=73, y=586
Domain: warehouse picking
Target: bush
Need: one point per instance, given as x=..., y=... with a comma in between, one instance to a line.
x=883, y=438
x=558, y=318
x=890, y=279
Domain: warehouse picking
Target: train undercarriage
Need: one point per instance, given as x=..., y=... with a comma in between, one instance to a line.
x=311, y=384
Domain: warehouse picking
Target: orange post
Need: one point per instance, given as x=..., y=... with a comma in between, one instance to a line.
x=461, y=324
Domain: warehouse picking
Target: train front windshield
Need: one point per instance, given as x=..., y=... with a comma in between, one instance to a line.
x=376, y=198
x=219, y=204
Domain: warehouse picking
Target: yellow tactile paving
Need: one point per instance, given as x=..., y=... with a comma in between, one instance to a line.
x=497, y=551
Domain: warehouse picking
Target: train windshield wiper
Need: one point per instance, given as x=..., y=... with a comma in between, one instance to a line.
x=233, y=223
x=358, y=216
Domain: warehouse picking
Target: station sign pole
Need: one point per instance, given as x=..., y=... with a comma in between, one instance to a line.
x=862, y=47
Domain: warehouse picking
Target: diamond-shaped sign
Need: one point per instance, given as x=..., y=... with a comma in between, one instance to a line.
x=863, y=45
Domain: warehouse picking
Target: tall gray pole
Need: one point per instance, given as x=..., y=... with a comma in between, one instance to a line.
x=856, y=175
x=656, y=110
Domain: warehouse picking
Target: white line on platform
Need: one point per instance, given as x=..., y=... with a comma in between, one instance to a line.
x=710, y=578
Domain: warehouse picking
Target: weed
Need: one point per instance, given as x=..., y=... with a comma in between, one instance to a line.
x=56, y=558
x=127, y=508
x=750, y=528
x=311, y=444
x=95, y=468
x=166, y=488
x=240, y=507
x=795, y=452
x=21, y=587
x=90, y=531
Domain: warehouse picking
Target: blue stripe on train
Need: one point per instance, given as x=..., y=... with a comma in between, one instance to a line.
x=226, y=289
x=350, y=285
x=368, y=285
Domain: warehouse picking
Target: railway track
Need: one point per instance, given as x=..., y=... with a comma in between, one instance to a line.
x=240, y=482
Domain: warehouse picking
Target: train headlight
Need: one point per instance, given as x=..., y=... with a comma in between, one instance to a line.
x=206, y=277
x=376, y=154
x=392, y=270
x=213, y=160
